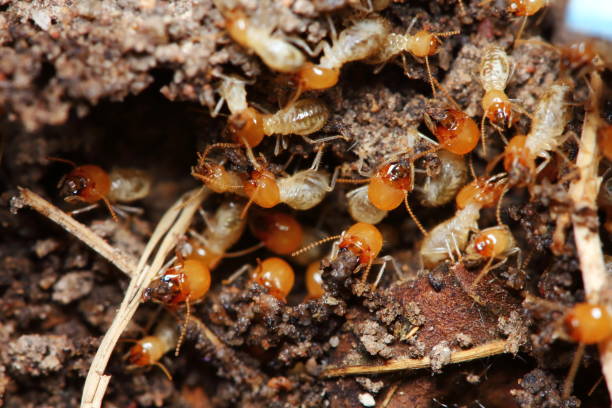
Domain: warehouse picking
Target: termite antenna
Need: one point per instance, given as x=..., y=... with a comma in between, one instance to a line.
x=60, y=160
x=315, y=244
x=491, y=165
x=414, y=218
x=520, y=31
x=164, y=369
x=364, y=277
x=245, y=210
x=482, y=133
x=242, y=252
x=568, y=384
x=213, y=146
x=110, y=208
x=352, y=181
x=250, y=154
x=482, y=273
x=471, y=166
x=498, y=210
x=447, y=94
x=181, y=338
x=433, y=88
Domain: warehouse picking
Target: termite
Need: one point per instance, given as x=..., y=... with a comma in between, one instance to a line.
x=306, y=188
x=302, y=117
x=442, y=185
x=357, y=42
x=453, y=233
x=390, y=186
x=491, y=243
x=455, y=130
x=276, y=275
x=276, y=52
x=495, y=69
x=363, y=240
x=90, y=183
x=551, y=115
x=423, y=44
x=150, y=349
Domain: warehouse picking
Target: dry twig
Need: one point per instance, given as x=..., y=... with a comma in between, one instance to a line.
x=124, y=262
x=399, y=364
x=171, y=227
x=584, y=218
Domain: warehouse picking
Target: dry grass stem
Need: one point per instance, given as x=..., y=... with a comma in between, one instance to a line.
x=399, y=364
x=170, y=228
x=124, y=262
x=584, y=218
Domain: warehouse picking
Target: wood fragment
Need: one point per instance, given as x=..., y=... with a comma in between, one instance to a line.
x=170, y=228
x=583, y=193
x=124, y=262
x=400, y=364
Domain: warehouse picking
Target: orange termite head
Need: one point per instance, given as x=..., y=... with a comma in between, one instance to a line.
x=281, y=233
x=276, y=275
x=587, y=323
x=313, y=77
x=457, y=132
x=213, y=175
x=518, y=162
x=236, y=23
x=424, y=44
x=88, y=183
x=261, y=188
x=525, y=7
x=498, y=108
x=186, y=280
x=363, y=240
x=484, y=193
x=246, y=127
x=146, y=351
x=392, y=181
x=491, y=242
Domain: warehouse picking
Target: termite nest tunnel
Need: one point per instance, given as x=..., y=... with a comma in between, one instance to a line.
x=388, y=217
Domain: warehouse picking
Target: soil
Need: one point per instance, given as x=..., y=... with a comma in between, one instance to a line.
x=131, y=83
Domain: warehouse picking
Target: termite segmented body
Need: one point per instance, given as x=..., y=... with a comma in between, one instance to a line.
x=442, y=186
x=128, y=185
x=360, y=207
x=275, y=52
x=359, y=41
x=302, y=117
x=549, y=120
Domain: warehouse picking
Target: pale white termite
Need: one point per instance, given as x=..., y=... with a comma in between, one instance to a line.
x=360, y=207
x=307, y=188
x=442, y=186
x=452, y=234
x=275, y=51
x=495, y=70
